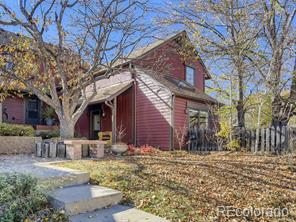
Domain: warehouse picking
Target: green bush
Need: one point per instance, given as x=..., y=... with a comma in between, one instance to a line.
x=15, y=130
x=21, y=199
x=49, y=134
x=233, y=145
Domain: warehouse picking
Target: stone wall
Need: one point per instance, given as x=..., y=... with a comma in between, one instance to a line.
x=18, y=144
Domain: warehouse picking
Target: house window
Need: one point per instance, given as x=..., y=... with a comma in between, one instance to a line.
x=33, y=111
x=189, y=72
x=198, y=119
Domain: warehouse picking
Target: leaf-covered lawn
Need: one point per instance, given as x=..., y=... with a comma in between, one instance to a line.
x=189, y=187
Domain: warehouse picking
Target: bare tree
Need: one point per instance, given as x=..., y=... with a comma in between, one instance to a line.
x=278, y=18
x=181, y=134
x=222, y=32
x=71, y=44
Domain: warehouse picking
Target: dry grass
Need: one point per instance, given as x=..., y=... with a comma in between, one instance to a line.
x=189, y=187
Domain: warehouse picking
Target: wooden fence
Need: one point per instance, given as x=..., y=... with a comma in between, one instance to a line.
x=202, y=140
x=274, y=140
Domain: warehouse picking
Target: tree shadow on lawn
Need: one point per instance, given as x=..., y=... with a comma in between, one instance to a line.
x=196, y=198
x=175, y=187
x=216, y=170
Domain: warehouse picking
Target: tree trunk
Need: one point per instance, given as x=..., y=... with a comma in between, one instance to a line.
x=284, y=108
x=67, y=129
x=282, y=111
x=1, y=112
x=240, y=103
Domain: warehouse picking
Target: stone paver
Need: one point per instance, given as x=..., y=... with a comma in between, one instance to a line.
x=117, y=213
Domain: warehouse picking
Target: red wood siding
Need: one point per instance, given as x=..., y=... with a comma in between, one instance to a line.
x=180, y=117
x=153, y=113
x=125, y=114
x=167, y=60
x=180, y=114
x=82, y=125
x=15, y=108
x=106, y=121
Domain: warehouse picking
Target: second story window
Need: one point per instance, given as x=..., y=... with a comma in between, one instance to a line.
x=189, y=75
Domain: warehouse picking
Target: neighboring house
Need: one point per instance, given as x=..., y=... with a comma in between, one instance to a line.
x=158, y=90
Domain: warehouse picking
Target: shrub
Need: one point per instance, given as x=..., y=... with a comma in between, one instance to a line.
x=15, y=130
x=49, y=134
x=21, y=199
x=233, y=145
x=142, y=150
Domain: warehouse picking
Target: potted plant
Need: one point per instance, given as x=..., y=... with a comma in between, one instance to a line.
x=120, y=147
x=48, y=115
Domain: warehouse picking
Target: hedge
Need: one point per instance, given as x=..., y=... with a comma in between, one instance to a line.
x=23, y=199
x=15, y=130
x=49, y=135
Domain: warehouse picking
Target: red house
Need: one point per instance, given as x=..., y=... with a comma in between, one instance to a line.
x=158, y=91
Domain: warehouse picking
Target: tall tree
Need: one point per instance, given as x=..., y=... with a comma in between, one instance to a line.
x=223, y=33
x=71, y=44
x=279, y=71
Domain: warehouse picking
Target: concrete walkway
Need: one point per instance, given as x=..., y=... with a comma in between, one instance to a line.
x=27, y=164
x=43, y=170
x=117, y=213
x=72, y=193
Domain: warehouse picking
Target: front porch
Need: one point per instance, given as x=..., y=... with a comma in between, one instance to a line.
x=110, y=109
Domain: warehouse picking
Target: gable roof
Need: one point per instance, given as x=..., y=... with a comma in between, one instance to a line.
x=108, y=93
x=141, y=52
x=179, y=87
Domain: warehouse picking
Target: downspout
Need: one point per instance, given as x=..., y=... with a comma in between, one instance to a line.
x=134, y=77
x=135, y=113
x=172, y=123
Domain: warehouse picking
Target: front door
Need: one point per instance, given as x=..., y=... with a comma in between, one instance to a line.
x=33, y=111
x=95, y=125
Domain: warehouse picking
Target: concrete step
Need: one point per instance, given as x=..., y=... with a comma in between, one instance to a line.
x=53, y=176
x=117, y=213
x=84, y=198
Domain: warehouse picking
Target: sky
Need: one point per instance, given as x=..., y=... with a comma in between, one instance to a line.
x=51, y=36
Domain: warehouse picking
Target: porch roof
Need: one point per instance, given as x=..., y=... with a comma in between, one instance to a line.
x=110, y=92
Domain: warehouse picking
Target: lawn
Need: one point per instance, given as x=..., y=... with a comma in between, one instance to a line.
x=188, y=187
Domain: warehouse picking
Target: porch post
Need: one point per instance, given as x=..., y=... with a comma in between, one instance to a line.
x=1, y=111
x=114, y=113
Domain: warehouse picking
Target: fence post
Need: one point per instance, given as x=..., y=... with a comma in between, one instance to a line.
x=243, y=137
x=267, y=140
x=257, y=140
x=263, y=140
x=278, y=139
x=249, y=140
x=272, y=137
x=253, y=137
x=202, y=140
x=284, y=139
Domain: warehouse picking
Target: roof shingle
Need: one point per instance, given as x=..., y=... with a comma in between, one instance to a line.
x=179, y=87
